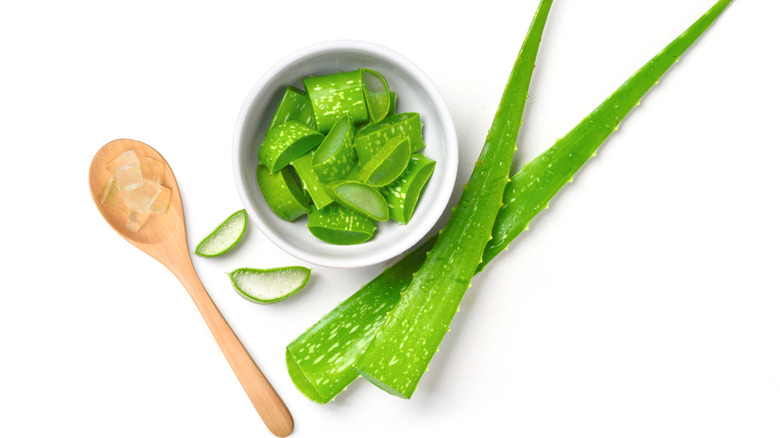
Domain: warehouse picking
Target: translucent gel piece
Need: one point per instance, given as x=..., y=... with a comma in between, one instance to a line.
x=113, y=198
x=141, y=199
x=162, y=202
x=136, y=220
x=127, y=158
x=152, y=170
x=128, y=177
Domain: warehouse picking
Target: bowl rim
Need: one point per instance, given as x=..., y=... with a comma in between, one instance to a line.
x=450, y=145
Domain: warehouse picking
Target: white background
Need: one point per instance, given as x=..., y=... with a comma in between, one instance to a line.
x=644, y=303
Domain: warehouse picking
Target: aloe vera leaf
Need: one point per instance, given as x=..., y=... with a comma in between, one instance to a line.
x=282, y=193
x=287, y=142
x=532, y=188
x=403, y=193
x=376, y=93
x=311, y=184
x=334, y=95
x=401, y=350
x=340, y=226
x=388, y=163
x=371, y=138
x=321, y=371
x=339, y=378
x=293, y=106
x=224, y=237
x=335, y=156
x=360, y=198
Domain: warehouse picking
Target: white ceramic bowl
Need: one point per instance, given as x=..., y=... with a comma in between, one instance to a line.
x=416, y=93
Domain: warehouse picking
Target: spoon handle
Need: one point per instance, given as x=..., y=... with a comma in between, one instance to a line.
x=263, y=396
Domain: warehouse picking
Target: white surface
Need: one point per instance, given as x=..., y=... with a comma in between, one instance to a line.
x=644, y=303
x=417, y=93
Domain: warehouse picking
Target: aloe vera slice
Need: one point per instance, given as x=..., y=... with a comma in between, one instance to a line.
x=402, y=195
x=287, y=142
x=388, y=163
x=360, y=198
x=282, y=193
x=376, y=93
x=311, y=184
x=371, y=138
x=266, y=286
x=334, y=95
x=339, y=225
x=335, y=156
x=390, y=290
x=224, y=237
x=293, y=106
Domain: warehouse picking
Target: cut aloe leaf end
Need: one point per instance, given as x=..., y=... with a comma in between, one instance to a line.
x=376, y=93
x=311, y=184
x=371, y=138
x=340, y=226
x=224, y=237
x=334, y=95
x=287, y=142
x=282, y=193
x=267, y=286
x=360, y=198
x=295, y=105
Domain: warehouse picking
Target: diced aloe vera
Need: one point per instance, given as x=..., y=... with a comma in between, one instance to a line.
x=267, y=286
x=376, y=93
x=224, y=237
x=403, y=193
x=126, y=158
x=141, y=199
x=334, y=95
x=282, y=193
x=136, y=220
x=339, y=225
x=287, y=142
x=114, y=198
x=335, y=156
x=152, y=169
x=311, y=184
x=388, y=163
x=372, y=137
x=293, y=106
x=360, y=198
x=393, y=103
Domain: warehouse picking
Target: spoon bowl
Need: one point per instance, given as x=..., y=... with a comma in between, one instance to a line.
x=164, y=237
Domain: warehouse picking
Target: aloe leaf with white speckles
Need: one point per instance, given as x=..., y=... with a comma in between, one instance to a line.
x=293, y=106
x=335, y=156
x=391, y=287
x=334, y=95
x=371, y=138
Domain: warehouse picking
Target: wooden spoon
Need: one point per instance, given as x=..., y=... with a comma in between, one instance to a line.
x=164, y=237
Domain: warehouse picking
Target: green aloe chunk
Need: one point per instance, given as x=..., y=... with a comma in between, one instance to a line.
x=293, y=106
x=393, y=103
x=339, y=225
x=376, y=93
x=334, y=95
x=387, y=164
x=266, y=286
x=371, y=138
x=311, y=184
x=335, y=156
x=360, y=198
x=339, y=377
x=282, y=193
x=403, y=193
x=321, y=371
x=224, y=237
x=287, y=142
